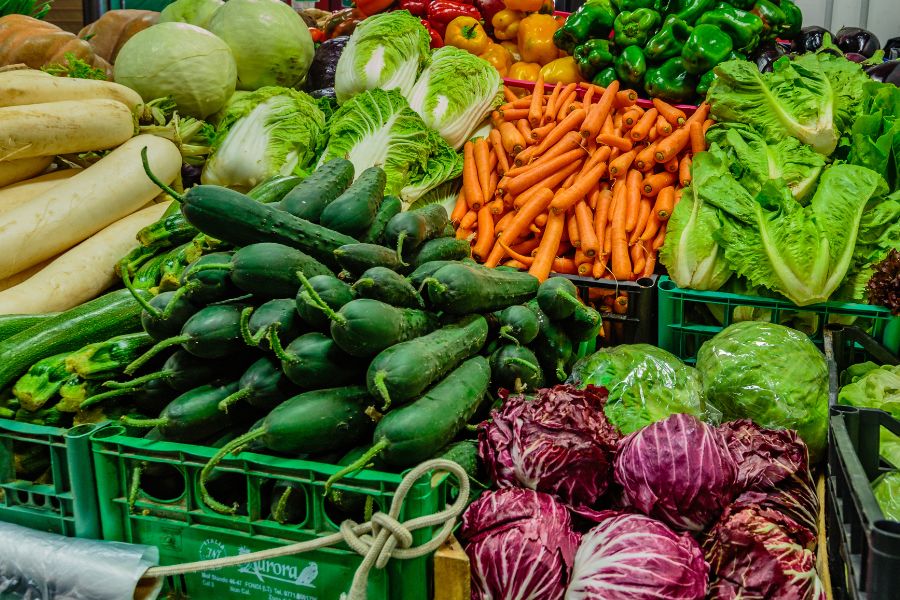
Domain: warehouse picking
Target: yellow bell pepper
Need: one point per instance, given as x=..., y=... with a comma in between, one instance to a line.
x=536, y=39
x=524, y=71
x=499, y=57
x=467, y=34
x=562, y=70
x=524, y=5
x=513, y=49
x=506, y=24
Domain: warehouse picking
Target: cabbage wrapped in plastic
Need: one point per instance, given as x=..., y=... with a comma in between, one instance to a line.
x=558, y=442
x=678, y=470
x=645, y=384
x=633, y=557
x=520, y=544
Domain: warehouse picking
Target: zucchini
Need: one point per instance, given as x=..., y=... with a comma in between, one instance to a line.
x=558, y=297
x=275, y=318
x=148, y=274
x=313, y=361
x=364, y=327
x=170, y=312
x=354, y=211
x=442, y=248
x=409, y=230
x=357, y=258
x=322, y=187
x=461, y=289
x=74, y=392
x=263, y=385
x=584, y=323
x=408, y=435
x=381, y=283
x=108, y=358
x=171, y=229
x=10, y=325
x=317, y=421
x=552, y=346
x=390, y=207
x=41, y=382
x=518, y=324
x=516, y=368
x=173, y=265
x=94, y=321
x=275, y=188
x=192, y=416
x=330, y=290
x=405, y=370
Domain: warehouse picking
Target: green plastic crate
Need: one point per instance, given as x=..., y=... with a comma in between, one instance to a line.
x=687, y=318
x=167, y=512
x=63, y=500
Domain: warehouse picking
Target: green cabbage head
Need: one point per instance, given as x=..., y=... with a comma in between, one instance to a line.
x=194, y=12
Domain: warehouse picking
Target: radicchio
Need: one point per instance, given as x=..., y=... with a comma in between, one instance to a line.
x=677, y=470
x=520, y=544
x=560, y=442
x=633, y=557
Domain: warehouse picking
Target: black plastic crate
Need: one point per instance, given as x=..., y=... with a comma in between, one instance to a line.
x=633, y=322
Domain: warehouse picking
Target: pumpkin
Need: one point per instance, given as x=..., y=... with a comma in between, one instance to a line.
x=109, y=33
x=37, y=44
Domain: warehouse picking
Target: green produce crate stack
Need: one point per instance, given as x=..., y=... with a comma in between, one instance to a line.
x=162, y=507
x=156, y=5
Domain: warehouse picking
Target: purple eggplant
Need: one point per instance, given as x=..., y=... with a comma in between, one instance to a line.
x=882, y=71
x=324, y=63
x=855, y=57
x=894, y=77
x=809, y=39
x=892, y=48
x=765, y=55
x=856, y=39
x=190, y=175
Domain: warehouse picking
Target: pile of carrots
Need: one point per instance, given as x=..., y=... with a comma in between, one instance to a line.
x=577, y=185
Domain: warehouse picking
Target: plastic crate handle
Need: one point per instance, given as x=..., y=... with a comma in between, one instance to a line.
x=377, y=541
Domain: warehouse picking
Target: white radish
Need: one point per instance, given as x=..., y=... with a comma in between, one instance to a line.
x=82, y=205
x=28, y=86
x=17, y=194
x=13, y=171
x=14, y=280
x=63, y=127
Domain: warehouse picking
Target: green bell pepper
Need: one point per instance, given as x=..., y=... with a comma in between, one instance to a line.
x=794, y=19
x=706, y=81
x=706, y=47
x=593, y=19
x=631, y=66
x=593, y=56
x=772, y=16
x=604, y=77
x=634, y=28
x=668, y=41
x=623, y=5
x=742, y=4
x=743, y=27
x=670, y=81
x=690, y=10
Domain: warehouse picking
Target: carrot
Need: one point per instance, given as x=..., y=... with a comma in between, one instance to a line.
x=522, y=182
x=464, y=234
x=484, y=239
x=607, y=240
x=496, y=119
x=638, y=259
x=513, y=142
x=700, y=114
x=684, y=170
x=621, y=263
x=600, y=155
x=581, y=258
x=646, y=207
x=524, y=157
x=601, y=217
x=565, y=97
x=644, y=161
x=535, y=229
x=625, y=98
x=660, y=238
x=499, y=151
x=492, y=185
x=509, y=95
x=482, y=154
x=651, y=229
x=600, y=111
x=678, y=192
x=631, y=117
x=650, y=265
x=698, y=144
x=503, y=222
x=568, y=182
x=536, y=109
x=621, y=164
x=653, y=183
x=663, y=127
x=525, y=260
x=515, y=264
x=569, y=142
x=496, y=206
x=550, y=182
x=620, y=143
x=471, y=186
x=528, y=245
x=672, y=165
x=674, y=116
x=459, y=209
x=572, y=230
x=632, y=199
x=523, y=102
x=670, y=146
x=609, y=127
x=586, y=232
x=541, y=220
x=525, y=129
x=550, y=108
x=594, y=198
x=520, y=223
x=665, y=203
x=706, y=125
x=653, y=135
x=546, y=252
x=572, y=121
x=514, y=114
x=564, y=266
x=579, y=189
x=539, y=133
x=588, y=96
x=468, y=220
x=642, y=128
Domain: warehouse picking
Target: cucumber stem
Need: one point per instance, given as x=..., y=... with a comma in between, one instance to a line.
x=358, y=465
x=380, y=386
x=98, y=398
x=522, y=362
x=431, y=281
x=400, y=239
x=560, y=370
x=235, y=397
x=185, y=289
x=280, y=352
x=156, y=180
x=504, y=333
x=139, y=298
x=137, y=381
x=317, y=299
x=132, y=422
x=233, y=446
x=245, y=327
x=149, y=354
x=135, y=486
x=281, y=505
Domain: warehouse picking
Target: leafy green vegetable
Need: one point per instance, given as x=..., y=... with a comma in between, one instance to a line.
x=875, y=137
x=30, y=8
x=75, y=68
x=455, y=92
x=272, y=131
x=386, y=51
x=887, y=492
x=195, y=12
x=378, y=128
x=867, y=385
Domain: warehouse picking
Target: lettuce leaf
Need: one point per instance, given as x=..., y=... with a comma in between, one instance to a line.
x=875, y=137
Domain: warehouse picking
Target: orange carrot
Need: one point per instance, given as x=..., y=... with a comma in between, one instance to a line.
x=564, y=266
x=706, y=125
x=520, y=223
x=665, y=203
x=621, y=263
x=567, y=198
x=499, y=151
x=600, y=111
x=646, y=207
x=508, y=94
x=643, y=160
x=525, y=260
x=607, y=239
x=550, y=182
x=678, y=192
x=621, y=164
x=639, y=259
x=484, y=239
x=684, y=170
x=482, y=154
x=632, y=199
x=588, y=96
x=536, y=109
x=700, y=114
x=698, y=144
x=663, y=127
x=514, y=114
x=525, y=156
x=569, y=142
x=503, y=222
x=660, y=238
x=515, y=264
x=670, y=146
x=653, y=183
x=541, y=220
x=651, y=229
x=513, y=142
x=565, y=97
x=650, y=265
x=523, y=102
x=609, y=126
x=525, y=129
x=601, y=217
x=468, y=220
x=631, y=117
x=626, y=98
x=496, y=119
x=572, y=232
x=471, y=185
x=621, y=143
x=522, y=182
x=600, y=155
x=586, y=233
x=653, y=135
x=568, y=182
x=528, y=245
x=496, y=206
x=546, y=252
x=674, y=116
x=642, y=128
x=464, y=234
x=672, y=165
x=570, y=123
x=459, y=209
x=550, y=108
x=539, y=133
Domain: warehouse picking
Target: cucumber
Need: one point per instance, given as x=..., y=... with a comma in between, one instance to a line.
x=462, y=289
x=10, y=325
x=275, y=188
x=390, y=206
x=408, y=435
x=405, y=370
x=409, y=230
x=204, y=286
x=170, y=230
x=357, y=258
x=552, y=346
x=558, y=298
x=465, y=454
x=288, y=506
x=519, y=324
x=313, y=361
x=381, y=283
x=192, y=416
x=354, y=211
x=172, y=310
x=584, y=323
x=263, y=386
x=417, y=278
x=41, y=382
x=108, y=358
x=364, y=327
x=317, y=421
x=275, y=318
x=317, y=191
x=330, y=290
x=516, y=368
x=94, y=321
x=354, y=503
x=443, y=248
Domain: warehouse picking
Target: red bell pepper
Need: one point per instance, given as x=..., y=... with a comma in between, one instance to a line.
x=441, y=12
x=436, y=40
x=372, y=7
x=318, y=36
x=418, y=8
x=488, y=9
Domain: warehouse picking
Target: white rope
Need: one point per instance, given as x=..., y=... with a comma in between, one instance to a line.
x=377, y=541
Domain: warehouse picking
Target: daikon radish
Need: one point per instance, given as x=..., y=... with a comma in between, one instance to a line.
x=82, y=205
x=14, y=280
x=29, y=86
x=82, y=273
x=63, y=127
x=13, y=171
x=17, y=194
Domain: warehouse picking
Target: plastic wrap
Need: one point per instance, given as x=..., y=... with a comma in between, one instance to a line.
x=646, y=384
x=35, y=565
x=770, y=374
